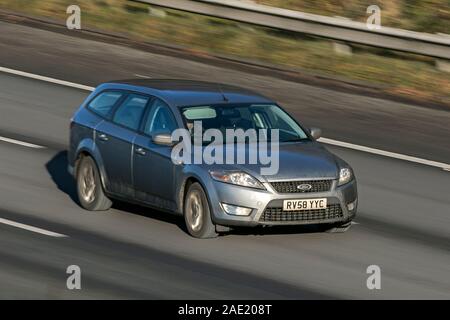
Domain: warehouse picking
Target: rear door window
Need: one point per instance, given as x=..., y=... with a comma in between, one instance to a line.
x=104, y=102
x=129, y=114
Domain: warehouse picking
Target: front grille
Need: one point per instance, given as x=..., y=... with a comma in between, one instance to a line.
x=276, y=214
x=292, y=186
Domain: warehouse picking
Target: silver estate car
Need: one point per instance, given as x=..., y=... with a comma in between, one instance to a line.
x=121, y=147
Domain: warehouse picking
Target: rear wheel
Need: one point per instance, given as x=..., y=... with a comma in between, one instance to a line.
x=89, y=187
x=197, y=214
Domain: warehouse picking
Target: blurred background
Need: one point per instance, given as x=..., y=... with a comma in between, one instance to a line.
x=364, y=97
x=392, y=72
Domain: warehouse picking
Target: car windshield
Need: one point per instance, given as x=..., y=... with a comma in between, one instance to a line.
x=245, y=117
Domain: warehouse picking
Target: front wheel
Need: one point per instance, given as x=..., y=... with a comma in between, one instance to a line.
x=89, y=187
x=197, y=214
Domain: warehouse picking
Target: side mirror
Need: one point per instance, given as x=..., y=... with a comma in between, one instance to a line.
x=164, y=139
x=316, y=133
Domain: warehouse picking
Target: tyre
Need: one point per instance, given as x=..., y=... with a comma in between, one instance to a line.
x=339, y=228
x=197, y=214
x=89, y=186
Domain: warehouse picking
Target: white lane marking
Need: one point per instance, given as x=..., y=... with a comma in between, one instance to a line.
x=31, y=228
x=142, y=76
x=353, y=222
x=389, y=154
x=441, y=165
x=21, y=143
x=46, y=79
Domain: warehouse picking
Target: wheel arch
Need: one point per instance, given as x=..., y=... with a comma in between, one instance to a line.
x=188, y=181
x=87, y=149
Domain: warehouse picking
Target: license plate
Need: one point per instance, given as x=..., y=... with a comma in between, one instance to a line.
x=304, y=204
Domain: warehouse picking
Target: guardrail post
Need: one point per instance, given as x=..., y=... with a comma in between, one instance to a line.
x=342, y=49
x=158, y=13
x=442, y=65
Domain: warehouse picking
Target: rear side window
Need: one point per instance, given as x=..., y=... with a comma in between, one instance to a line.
x=104, y=102
x=129, y=114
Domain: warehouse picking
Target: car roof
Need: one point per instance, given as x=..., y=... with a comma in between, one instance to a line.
x=190, y=92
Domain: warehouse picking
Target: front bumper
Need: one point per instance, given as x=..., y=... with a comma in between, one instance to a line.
x=267, y=205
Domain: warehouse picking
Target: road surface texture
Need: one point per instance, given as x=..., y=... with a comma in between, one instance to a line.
x=403, y=224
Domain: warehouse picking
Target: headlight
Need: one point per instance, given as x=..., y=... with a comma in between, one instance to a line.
x=345, y=176
x=236, y=177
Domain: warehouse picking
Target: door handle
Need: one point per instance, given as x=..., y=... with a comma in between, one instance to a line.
x=103, y=137
x=141, y=151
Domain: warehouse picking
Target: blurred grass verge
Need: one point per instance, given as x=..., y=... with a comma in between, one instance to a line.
x=429, y=16
x=395, y=73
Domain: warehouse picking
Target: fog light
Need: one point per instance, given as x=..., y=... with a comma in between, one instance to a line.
x=352, y=205
x=235, y=210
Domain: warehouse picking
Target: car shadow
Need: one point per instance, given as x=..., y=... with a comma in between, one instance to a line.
x=57, y=168
x=276, y=230
x=150, y=213
x=179, y=222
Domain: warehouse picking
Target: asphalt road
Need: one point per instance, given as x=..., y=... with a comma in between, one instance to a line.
x=133, y=252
